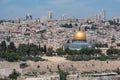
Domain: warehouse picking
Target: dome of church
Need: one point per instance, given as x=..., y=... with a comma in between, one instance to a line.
x=80, y=35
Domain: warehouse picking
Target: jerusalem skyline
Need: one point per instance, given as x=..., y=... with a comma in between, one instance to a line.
x=59, y=40
x=38, y=8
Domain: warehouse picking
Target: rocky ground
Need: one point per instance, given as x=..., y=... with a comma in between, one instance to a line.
x=53, y=63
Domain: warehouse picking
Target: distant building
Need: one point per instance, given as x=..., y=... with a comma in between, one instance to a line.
x=28, y=16
x=116, y=19
x=101, y=16
x=50, y=15
x=103, y=13
x=63, y=17
x=17, y=20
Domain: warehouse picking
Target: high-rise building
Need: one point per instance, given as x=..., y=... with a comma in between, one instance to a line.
x=17, y=20
x=63, y=17
x=50, y=15
x=28, y=16
x=116, y=19
x=103, y=14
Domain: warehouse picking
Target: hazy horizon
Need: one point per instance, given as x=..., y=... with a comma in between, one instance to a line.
x=9, y=9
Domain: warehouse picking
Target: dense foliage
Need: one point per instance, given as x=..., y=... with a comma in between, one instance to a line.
x=85, y=51
x=113, y=51
x=2, y=79
x=86, y=54
x=23, y=52
x=32, y=52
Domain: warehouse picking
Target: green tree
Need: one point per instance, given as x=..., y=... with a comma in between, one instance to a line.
x=23, y=49
x=63, y=75
x=3, y=49
x=14, y=75
x=28, y=51
x=118, y=70
x=98, y=52
x=33, y=49
x=45, y=49
x=40, y=48
x=11, y=47
x=73, y=52
x=60, y=51
x=2, y=79
x=70, y=52
x=84, y=51
x=12, y=56
x=1, y=53
x=49, y=52
x=90, y=51
x=113, y=51
x=67, y=50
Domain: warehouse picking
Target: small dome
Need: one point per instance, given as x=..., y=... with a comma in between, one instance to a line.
x=80, y=35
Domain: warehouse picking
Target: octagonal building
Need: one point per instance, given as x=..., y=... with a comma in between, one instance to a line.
x=79, y=41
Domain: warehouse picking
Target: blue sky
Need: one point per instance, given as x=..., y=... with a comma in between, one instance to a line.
x=9, y=9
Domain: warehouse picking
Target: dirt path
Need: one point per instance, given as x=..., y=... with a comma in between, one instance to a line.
x=55, y=59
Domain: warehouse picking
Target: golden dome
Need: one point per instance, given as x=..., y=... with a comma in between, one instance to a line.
x=80, y=35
